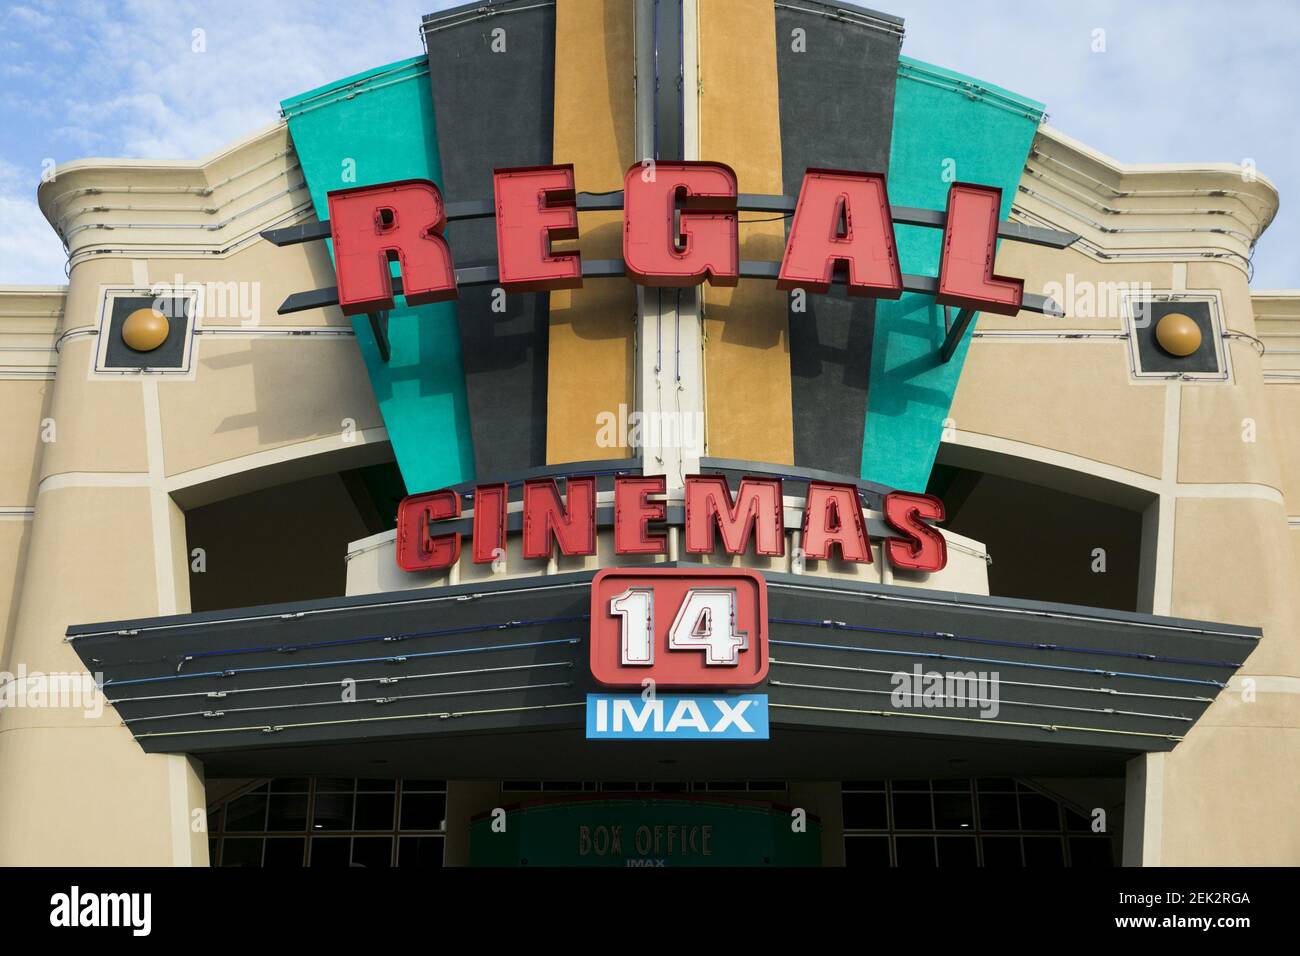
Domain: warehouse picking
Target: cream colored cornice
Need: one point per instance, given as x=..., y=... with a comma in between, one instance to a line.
x=181, y=208
x=1277, y=325
x=1148, y=211
x=31, y=317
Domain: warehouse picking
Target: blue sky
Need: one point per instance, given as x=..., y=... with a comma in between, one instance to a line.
x=1209, y=80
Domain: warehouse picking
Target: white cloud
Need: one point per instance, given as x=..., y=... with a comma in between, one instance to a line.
x=1172, y=86
x=30, y=251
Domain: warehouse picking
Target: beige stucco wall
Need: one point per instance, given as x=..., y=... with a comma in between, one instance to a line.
x=107, y=540
x=1218, y=458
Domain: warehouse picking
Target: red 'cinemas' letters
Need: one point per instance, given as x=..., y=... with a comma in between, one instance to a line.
x=679, y=224
x=489, y=522
x=832, y=522
x=418, y=549
x=536, y=205
x=842, y=219
x=757, y=507
x=833, y=518
x=922, y=548
x=547, y=518
x=633, y=513
x=374, y=225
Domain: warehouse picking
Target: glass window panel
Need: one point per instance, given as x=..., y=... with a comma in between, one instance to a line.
x=375, y=810
x=290, y=784
x=424, y=851
x=864, y=785
x=1044, y=851
x=672, y=786
x=242, y=851
x=376, y=786
x=996, y=785
x=427, y=785
x=288, y=811
x=285, y=851
x=423, y=811
x=961, y=785
x=956, y=851
x=372, y=852
x=865, y=811
x=953, y=811
x=770, y=785
x=914, y=851
x=246, y=813
x=509, y=785
x=215, y=816
x=866, y=851
x=1077, y=821
x=335, y=784
x=998, y=811
x=1038, y=812
x=912, y=811
x=568, y=785
x=1001, y=851
x=214, y=853
x=333, y=811
x=1091, y=852
x=330, y=851
x=919, y=786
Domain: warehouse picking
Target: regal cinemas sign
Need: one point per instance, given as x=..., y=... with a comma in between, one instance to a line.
x=680, y=228
x=833, y=524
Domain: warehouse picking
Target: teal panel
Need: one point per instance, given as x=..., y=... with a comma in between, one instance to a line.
x=373, y=128
x=946, y=126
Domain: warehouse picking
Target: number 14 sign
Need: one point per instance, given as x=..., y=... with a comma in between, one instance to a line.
x=679, y=627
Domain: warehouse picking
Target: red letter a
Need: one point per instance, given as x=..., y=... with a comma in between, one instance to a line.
x=844, y=219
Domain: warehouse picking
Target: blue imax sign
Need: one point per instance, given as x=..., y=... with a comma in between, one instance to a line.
x=630, y=717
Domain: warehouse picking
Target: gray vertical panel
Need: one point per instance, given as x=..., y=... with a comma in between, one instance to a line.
x=837, y=111
x=668, y=79
x=495, y=110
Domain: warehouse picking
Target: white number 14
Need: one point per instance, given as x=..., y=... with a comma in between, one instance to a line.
x=706, y=621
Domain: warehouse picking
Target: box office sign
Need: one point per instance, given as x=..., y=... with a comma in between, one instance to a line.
x=632, y=831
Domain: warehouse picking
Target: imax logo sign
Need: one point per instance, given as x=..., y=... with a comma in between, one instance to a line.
x=631, y=717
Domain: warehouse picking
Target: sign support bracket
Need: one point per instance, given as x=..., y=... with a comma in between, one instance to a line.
x=955, y=331
x=379, y=327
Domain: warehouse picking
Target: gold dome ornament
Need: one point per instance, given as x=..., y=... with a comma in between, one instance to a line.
x=1178, y=334
x=145, y=329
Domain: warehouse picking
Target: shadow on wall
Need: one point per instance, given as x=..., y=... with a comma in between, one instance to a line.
x=287, y=542
x=1045, y=545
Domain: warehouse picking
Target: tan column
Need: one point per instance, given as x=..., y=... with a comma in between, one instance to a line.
x=747, y=345
x=466, y=799
x=75, y=788
x=1225, y=796
x=593, y=329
